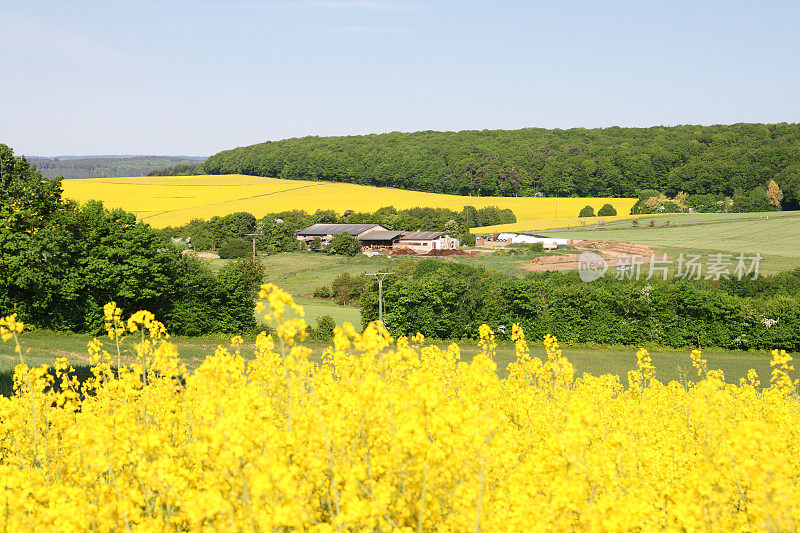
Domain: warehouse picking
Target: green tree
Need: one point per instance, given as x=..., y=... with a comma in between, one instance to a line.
x=315, y=244
x=597, y=162
x=27, y=204
x=587, y=211
x=344, y=244
x=741, y=202
x=606, y=211
x=60, y=262
x=221, y=303
x=760, y=201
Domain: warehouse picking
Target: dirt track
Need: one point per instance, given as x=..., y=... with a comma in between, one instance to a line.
x=608, y=250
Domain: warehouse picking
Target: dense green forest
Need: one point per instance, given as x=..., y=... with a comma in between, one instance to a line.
x=107, y=166
x=716, y=160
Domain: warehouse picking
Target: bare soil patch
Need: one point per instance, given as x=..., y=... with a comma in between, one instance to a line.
x=608, y=250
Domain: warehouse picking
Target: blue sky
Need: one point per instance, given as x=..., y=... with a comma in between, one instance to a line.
x=195, y=77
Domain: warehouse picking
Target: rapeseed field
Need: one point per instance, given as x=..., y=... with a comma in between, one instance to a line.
x=388, y=434
x=171, y=201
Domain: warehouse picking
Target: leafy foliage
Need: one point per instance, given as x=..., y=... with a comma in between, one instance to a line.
x=236, y=248
x=181, y=169
x=344, y=244
x=587, y=211
x=606, y=211
x=347, y=288
x=277, y=230
x=61, y=261
x=581, y=162
x=324, y=328
x=28, y=202
x=446, y=301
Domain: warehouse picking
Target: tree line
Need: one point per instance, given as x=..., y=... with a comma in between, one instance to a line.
x=231, y=234
x=60, y=262
x=111, y=166
x=450, y=301
x=617, y=162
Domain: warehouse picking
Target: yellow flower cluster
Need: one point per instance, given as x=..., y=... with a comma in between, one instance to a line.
x=9, y=327
x=390, y=434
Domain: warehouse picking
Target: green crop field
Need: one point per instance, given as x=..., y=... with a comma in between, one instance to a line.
x=776, y=236
x=43, y=347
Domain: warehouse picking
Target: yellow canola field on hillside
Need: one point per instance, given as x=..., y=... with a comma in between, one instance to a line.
x=389, y=434
x=172, y=201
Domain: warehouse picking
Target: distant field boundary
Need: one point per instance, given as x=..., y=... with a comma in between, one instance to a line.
x=661, y=215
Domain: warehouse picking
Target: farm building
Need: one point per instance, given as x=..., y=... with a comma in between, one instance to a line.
x=425, y=241
x=370, y=235
x=376, y=236
x=327, y=231
x=525, y=238
x=379, y=237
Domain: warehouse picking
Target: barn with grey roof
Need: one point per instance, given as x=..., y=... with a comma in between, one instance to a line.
x=376, y=236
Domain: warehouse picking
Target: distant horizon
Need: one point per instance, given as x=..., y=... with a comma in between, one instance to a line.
x=107, y=156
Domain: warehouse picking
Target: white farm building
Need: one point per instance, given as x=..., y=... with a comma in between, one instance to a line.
x=525, y=238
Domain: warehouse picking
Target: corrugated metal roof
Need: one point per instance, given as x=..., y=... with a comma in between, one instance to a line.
x=381, y=235
x=421, y=235
x=333, y=229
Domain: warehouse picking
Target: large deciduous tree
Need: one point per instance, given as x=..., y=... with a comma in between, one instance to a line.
x=27, y=203
x=60, y=262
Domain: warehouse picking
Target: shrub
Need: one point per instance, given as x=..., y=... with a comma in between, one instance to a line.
x=344, y=244
x=607, y=211
x=587, y=211
x=322, y=292
x=236, y=249
x=324, y=329
x=347, y=288
x=205, y=302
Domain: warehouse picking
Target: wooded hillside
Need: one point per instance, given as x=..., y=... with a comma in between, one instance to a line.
x=583, y=162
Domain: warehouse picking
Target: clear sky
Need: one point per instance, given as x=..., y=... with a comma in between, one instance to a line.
x=197, y=76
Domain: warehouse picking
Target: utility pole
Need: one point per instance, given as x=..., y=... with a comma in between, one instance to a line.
x=254, y=235
x=380, y=276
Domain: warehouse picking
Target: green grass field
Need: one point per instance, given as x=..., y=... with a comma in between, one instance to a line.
x=776, y=236
x=316, y=308
x=43, y=347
